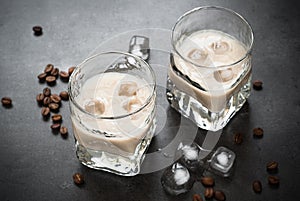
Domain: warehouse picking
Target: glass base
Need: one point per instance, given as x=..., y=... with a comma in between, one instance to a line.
x=203, y=117
x=128, y=164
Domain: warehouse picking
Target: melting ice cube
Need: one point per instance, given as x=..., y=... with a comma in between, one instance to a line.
x=176, y=179
x=132, y=104
x=222, y=158
x=220, y=47
x=223, y=75
x=198, y=55
x=94, y=106
x=222, y=161
x=191, y=156
x=128, y=88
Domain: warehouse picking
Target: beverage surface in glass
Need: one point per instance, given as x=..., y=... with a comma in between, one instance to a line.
x=210, y=66
x=112, y=103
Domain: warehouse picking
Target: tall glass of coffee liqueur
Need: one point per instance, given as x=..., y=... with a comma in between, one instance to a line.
x=210, y=66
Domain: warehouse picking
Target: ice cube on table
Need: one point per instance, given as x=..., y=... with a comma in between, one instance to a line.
x=222, y=161
x=189, y=156
x=176, y=179
x=139, y=46
x=222, y=158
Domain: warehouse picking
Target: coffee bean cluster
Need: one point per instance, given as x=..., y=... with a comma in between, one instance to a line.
x=271, y=167
x=273, y=181
x=209, y=192
x=49, y=102
x=257, y=133
x=208, y=182
x=51, y=74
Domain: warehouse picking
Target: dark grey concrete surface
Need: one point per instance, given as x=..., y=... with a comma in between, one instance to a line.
x=38, y=165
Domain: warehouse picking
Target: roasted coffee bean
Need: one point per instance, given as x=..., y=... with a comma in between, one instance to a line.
x=55, y=98
x=37, y=30
x=273, y=180
x=64, y=95
x=50, y=79
x=46, y=101
x=47, y=91
x=272, y=166
x=207, y=181
x=257, y=84
x=56, y=118
x=45, y=111
x=53, y=106
x=6, y=102
x=42, y=77
x=78, y=178
x=63, y=131
x=256, y=186
x=219, y=195
x=71, y=69
x=208, y=193
x=238, y=138
x=48, y=69
x=55, y=72
x=197, y=197
x=64, y=75
x=258, y=132
x=55, y=126
x=40, y=98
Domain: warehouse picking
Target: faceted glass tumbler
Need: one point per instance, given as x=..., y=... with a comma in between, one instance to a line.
x=112, y=104
x=210, y=66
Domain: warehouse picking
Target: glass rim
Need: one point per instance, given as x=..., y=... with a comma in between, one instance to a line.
x=248, y=52
x=81, y=66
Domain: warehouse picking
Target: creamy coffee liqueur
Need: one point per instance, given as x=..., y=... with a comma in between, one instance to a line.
x=204, y=53
x=110, y=95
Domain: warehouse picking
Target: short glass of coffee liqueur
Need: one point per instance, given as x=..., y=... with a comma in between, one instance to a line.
x=112, y=104
x=210, y=66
